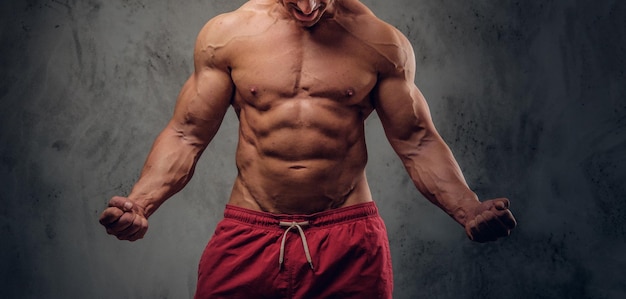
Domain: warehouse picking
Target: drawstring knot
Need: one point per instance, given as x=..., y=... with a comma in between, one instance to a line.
x=298, y=226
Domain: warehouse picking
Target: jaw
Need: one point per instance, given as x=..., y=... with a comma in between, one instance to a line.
x=306, y=18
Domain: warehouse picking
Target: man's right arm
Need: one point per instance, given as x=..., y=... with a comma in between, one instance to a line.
x=200, y=109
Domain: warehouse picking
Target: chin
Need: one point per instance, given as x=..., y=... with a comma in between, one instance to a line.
x=307, y=20
x=308, y=24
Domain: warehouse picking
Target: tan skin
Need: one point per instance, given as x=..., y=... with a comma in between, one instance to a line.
x=302, y=77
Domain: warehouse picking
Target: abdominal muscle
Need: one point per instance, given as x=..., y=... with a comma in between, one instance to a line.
x=301, y=156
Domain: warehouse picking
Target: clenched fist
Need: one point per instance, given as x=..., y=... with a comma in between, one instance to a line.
x=490, y=220
x=124, y=219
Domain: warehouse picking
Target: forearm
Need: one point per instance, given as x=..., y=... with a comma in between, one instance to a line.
x=436, y=174
x=168, y=168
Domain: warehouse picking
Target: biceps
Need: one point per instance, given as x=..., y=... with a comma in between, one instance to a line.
x=403, y=112
x=201, y=105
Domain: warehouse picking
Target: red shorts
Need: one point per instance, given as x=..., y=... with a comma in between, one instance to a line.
x=342, y=253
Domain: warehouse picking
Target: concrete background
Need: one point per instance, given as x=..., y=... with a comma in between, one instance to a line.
x=530, y=95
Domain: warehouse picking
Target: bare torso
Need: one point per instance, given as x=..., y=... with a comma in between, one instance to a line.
x=301, y=95
x=302, y=77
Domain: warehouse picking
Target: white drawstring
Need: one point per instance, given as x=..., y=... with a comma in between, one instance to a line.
x=289, y=226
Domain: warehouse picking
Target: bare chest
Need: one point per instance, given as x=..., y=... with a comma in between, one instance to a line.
x=285, y=65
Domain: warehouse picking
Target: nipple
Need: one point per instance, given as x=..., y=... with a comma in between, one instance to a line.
x=350, y=92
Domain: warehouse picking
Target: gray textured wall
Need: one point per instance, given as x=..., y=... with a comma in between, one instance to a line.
x=530, y=95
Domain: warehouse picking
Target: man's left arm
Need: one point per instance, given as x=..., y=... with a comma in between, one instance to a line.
x=408, y=125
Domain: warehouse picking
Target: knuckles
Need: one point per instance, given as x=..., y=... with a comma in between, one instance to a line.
x=489, y=226
x=129, y=226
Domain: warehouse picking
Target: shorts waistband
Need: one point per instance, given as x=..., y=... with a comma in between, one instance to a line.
x=330, y=217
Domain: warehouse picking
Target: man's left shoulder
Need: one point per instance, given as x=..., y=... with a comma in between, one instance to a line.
x=384, y=38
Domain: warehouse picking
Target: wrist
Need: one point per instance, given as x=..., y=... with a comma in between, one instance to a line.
x=464, y=210
x=142, y=205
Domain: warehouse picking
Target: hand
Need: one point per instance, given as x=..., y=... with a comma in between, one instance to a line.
x=124, y=219
x=490, y=220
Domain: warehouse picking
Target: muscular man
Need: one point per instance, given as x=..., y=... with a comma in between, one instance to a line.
x=302, y=77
